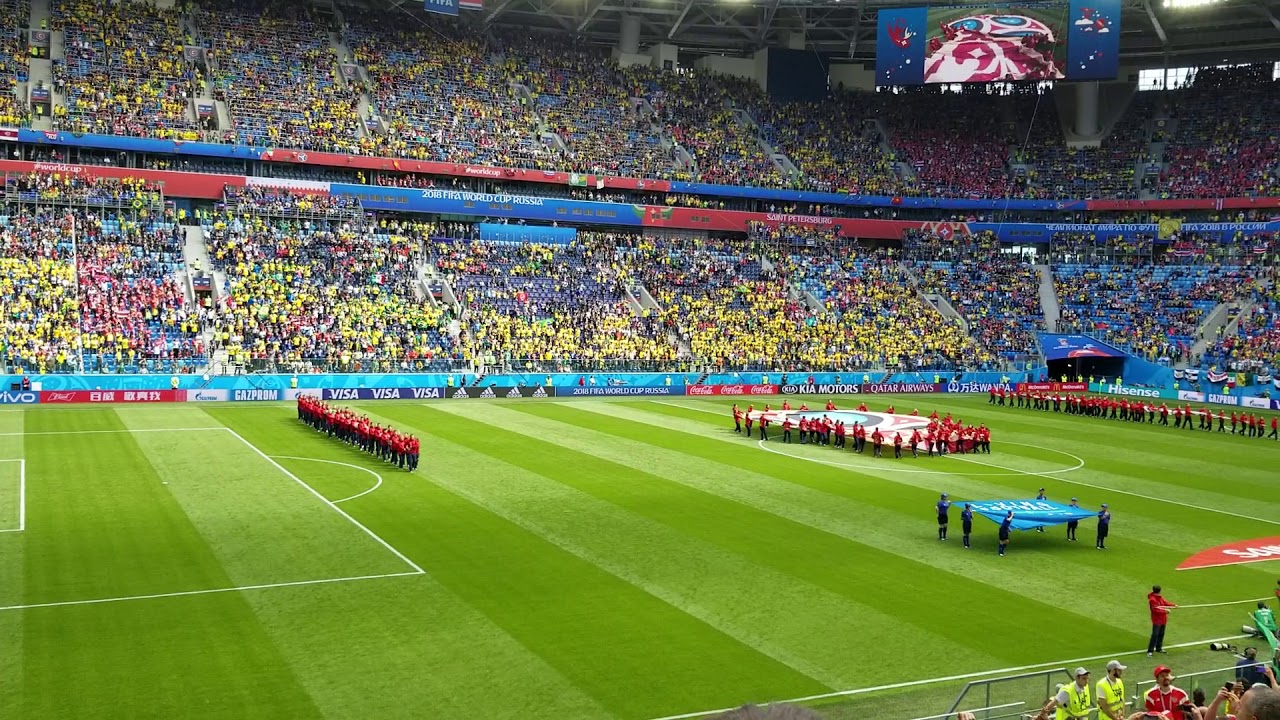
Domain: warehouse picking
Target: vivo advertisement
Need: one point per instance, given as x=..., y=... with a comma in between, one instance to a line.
x=988, y=43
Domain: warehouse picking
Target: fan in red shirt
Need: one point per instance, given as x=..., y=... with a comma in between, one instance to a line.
x=1164, y=698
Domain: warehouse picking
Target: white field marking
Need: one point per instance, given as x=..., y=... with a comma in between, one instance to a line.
x=110, y=432
x=22, y=495
x=951, y=678
x=1208, y=605
x=1014, y=473
x=326, y=501
x=214, y=591
x=335, y=462
x=1124, y=492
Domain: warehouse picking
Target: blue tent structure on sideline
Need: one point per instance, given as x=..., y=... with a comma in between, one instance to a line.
x=1028, y=514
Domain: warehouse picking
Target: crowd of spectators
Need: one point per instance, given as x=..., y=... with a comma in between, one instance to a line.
x=280, y=77
x=1151, y=309
x=1225, y=143
x=441, y=95
x=97, y=284
x=997, y=293
x=324, y=294
x=546, y=304
x=286, y=202
x=125, y=72
x=14, y=16
x=1255, y=346
x=1053, y=170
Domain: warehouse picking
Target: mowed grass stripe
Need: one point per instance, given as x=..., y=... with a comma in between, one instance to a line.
x=494, y=675
x=839, y=565
x=858, y=520
x=1202, y=493
x=102, y=525
x=632, y=653
x=405, y=647
x=1146, y=552
x=702, y=579
x=262, y=525
x=12, y=575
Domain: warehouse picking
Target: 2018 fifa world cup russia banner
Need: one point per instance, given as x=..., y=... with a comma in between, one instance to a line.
x=978, y=44
x=1029, y=514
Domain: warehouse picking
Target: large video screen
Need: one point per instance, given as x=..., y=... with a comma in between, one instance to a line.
x=1007, y=43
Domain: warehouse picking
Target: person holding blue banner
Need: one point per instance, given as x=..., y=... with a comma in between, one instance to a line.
x=966, y=524
x=1004, y=532
x=1104, y=526
x=944, y=505
x=1073, y=524
x=1041, y=496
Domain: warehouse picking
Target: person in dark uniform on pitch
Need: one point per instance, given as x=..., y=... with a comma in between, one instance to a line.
x=944, y=505
x=1005, y=527
x=1041, y=496
x=1073, y=524
x=764, y=428
x=966, y=523
x=1104, y=526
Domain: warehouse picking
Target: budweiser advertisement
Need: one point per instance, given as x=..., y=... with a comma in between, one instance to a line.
x=112, y=396
x=1053, y=387
x=1236, y=553
x=732, y=390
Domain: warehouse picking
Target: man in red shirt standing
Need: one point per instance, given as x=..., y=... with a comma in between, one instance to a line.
x=1166, y=700
x=1159, y=619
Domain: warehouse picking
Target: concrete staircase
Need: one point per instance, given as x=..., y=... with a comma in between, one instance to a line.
x=939, y=302
x=40, y=70
x=1216, y=325
x=1048, y=298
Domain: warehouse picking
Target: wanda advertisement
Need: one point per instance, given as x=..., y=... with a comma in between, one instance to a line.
x=731, y=390
x=113, y=396
x=1053, y=387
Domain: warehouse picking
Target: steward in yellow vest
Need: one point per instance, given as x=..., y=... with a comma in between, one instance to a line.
x=1111, y=693
x=1073, y=701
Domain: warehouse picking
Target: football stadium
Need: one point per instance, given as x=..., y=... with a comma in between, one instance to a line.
x=640, y=359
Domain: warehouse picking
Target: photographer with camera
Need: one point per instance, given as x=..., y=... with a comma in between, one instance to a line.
x=1172, y=701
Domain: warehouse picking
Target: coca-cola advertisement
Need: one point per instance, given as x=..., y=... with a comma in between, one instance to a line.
x=732, y=390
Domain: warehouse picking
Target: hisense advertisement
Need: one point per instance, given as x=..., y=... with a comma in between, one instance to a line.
x=998, y=43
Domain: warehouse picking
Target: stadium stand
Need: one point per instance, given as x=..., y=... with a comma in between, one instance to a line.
x=308, y=295
x=91, y=271
x=14, y=15
x=997, y=293
x=546, y=307
x=1225, y=144
x=280, y=77
x=124, y=71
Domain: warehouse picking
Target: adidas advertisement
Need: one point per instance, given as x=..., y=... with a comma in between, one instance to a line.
x=502, y=392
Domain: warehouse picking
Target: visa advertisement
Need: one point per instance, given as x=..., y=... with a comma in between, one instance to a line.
x=998, y=43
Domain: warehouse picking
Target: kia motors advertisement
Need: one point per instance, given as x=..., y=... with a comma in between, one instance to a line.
x=732, y=390
x=821, y=389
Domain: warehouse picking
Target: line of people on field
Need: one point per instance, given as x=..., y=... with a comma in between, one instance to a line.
x=382, y=441
x=1245, y=424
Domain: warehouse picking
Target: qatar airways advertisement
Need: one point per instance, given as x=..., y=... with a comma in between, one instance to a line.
x=998, y=43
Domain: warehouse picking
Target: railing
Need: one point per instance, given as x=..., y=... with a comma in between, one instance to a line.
x=1023, y=685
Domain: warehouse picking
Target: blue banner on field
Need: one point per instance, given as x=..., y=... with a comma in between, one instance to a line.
x=441, y=7
x=1063, y=347
x=1029, y=514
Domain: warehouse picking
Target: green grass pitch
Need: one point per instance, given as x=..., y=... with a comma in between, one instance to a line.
x=597, y=559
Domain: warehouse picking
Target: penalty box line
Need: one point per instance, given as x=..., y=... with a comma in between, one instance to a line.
x=214, y=591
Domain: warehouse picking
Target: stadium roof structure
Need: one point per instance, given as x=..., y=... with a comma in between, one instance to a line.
x=1222, y=32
